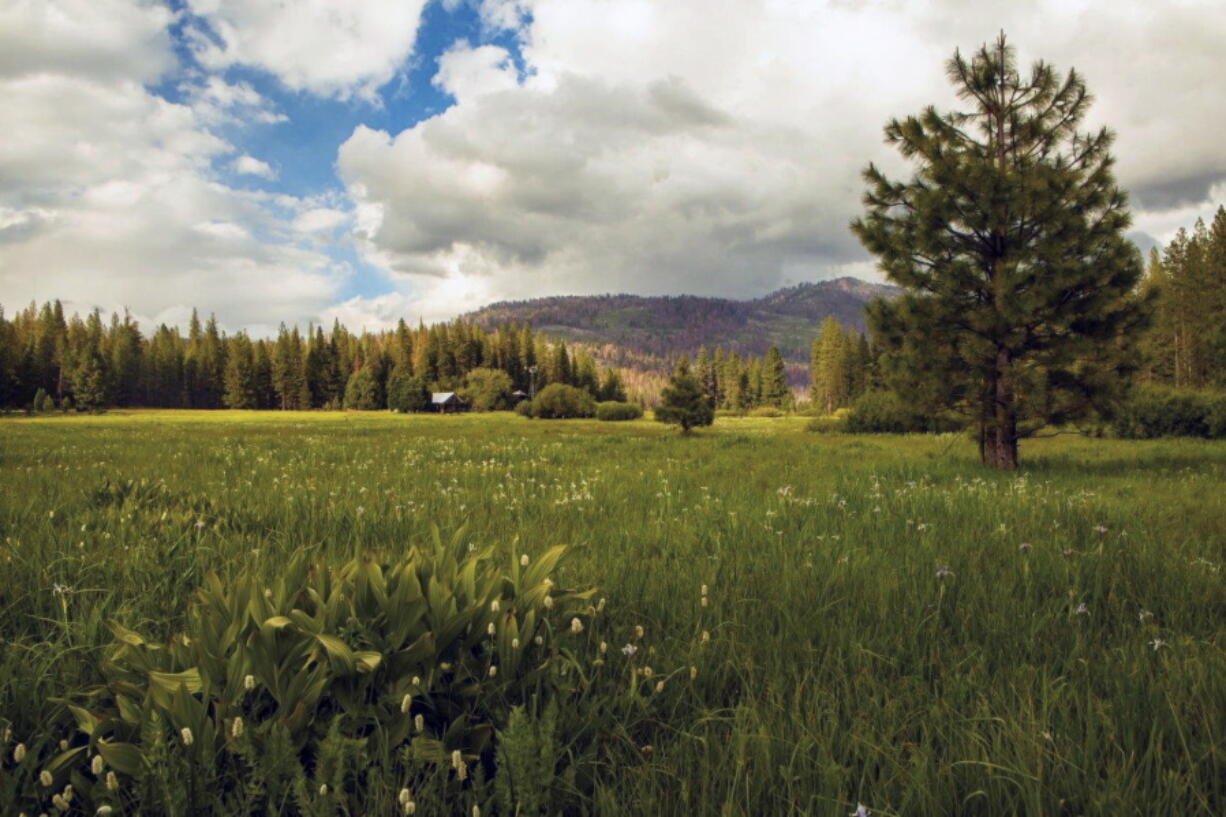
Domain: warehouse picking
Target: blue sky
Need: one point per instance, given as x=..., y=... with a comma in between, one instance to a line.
x=309, y=160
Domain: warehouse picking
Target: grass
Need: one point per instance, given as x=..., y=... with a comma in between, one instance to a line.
x=889, y=623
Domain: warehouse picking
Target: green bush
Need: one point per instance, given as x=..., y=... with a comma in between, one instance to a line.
x=524, y=408
x=487, y=389
x=557, y=401
x=831, y=424
x=884, y=412
x=766, y=411
x=1155, y=411
x=613, y=411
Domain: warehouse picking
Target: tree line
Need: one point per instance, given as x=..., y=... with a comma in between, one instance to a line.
x=1186, y=281
x=87, y=363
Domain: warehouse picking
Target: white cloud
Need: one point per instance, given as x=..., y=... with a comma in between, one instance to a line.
x=325, y=47
x=251, y=166
x=107, y=194
x=716, y=146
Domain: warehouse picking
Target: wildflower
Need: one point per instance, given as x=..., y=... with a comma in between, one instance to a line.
x=249, y=682
x=630, y=650
x=1157, y=644
x=323, y=789
x=861, y=811
x=476, y=810
x=199, y=523
x=416, y=681
x=515, y=643
x=63, y=745
x=59, y=802
x=103, y=811
x=405, y=796
x=1100, y=529
x=112, y=782
x=647, y=672
x=494, y=606
x=548, y=602
x=58, y=589
x=236, y=728
x=704, y=590
x=1082, y=609
x=1025, y=547
x=600, y=606
x=638, y=631
x=523, y=560
x=410, y=808
x=943, y=571
x=19, y=753
x=44, y=777
x=187, y=736
x=659, y=687
x=493, y=671
x=693, y=673
x=539, y=640
x=704, y=601
x=604, y=647
x=576, y=626
x=67, y=793
x=706, y=636
x=647, y=750
x=419, y=723
x=95, y=766
x=490, y=629
x=1144, y=614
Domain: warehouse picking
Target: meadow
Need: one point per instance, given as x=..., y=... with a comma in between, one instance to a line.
x=845, y=623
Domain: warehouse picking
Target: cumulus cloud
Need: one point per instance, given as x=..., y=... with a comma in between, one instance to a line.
x=321, y=46
x=250, y=166
x=716, y=147
x=107, y=194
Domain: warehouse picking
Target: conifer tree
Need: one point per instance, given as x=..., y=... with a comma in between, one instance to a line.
x=775, y=391
x=1009, y=241
x=240, y=379
x=682, y=402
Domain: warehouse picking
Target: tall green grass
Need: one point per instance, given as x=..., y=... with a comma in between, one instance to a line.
x=889, y=624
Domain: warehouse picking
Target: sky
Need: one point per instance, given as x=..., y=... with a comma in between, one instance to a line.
x=300, y=161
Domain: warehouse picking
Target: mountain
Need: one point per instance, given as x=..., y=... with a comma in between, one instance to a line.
x=665, y=326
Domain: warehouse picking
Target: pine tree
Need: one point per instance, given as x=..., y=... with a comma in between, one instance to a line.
x=775, y=391
x=1009, y=242
x=682, y=402
x=240, y=379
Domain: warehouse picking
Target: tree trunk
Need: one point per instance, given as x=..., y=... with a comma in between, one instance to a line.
x=999, y=449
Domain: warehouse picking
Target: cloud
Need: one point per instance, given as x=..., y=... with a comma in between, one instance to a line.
x=327, y=48
x=107, y=192
x=251, y=166
x=716, y=147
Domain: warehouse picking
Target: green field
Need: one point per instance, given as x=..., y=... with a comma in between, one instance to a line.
x=890, y=624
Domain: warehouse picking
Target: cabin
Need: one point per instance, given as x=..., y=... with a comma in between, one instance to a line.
x=447, y=402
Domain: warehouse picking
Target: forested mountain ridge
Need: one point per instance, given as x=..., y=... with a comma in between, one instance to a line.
x=666, y=326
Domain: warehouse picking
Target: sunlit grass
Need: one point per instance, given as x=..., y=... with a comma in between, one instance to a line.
x=890, y=624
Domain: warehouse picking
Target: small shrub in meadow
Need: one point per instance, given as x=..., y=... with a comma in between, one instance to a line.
x=614, y=411
x=1155, y=411
x=557, y=401
x=884, y=412
x=766, y=411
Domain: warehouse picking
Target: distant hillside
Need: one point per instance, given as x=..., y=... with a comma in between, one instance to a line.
x=665, y=326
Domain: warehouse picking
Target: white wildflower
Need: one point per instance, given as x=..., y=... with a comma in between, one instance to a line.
x=493, y=670
x=19, y=753
x=491, y=629
x=1082, y=609
x=405, y=796
x=112, y=782
x=236, y=728
x=1157, y=644
x=419, y=723
x=186, y=734
x=630, y=650
x=523, y=560
x=249, y=682
x=323, y=789
x=576, y=626
x=548, y=602
x=638, y=631
x=45, y=778
x=943, y=572
x=95, y=766
x=861, y=811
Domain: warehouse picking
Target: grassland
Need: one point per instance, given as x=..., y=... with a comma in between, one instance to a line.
x=889, y=623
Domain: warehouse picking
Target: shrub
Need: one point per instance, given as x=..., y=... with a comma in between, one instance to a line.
x=43, y=401
x=613, y=410
x=884, y=412
x=524, y=408
x=831, y=424
x=766, y=411
x=1155, y=411
x=487, y=389
x=558, y=401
